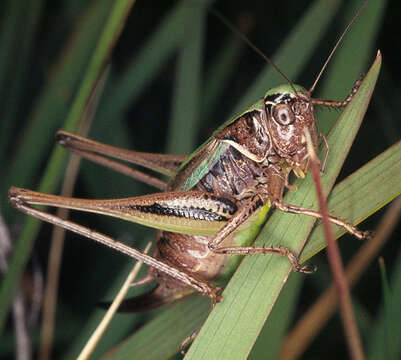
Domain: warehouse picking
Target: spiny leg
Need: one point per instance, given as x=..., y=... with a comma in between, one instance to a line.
x=123, y=169
x=187, y=341
x=294, y=209
x=343, y=103
x=239, y=217
x=192, y=337
x=279, y=250
x=162, y=163
x=186, y=212
x=97, y=152
x=200, y=286
x=326, y=153
x=243, y=214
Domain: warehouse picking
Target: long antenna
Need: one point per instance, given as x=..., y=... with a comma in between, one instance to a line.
x=336, y=46
x=250, y=44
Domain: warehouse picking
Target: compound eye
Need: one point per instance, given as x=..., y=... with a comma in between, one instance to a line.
x=283, y=115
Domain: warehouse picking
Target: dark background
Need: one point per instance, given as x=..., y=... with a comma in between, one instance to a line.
x=88, y=270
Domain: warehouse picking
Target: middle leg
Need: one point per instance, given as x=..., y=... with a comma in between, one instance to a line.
x=295, y=209
x=242, y=215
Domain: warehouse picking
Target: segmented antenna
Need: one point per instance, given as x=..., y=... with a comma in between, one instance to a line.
x=223, y=19
x=336, y=46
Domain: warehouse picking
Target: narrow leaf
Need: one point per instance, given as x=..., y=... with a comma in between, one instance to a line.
x=53, y=172
x=232, y=328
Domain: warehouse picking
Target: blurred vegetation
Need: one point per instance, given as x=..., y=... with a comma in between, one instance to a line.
x=176, y=74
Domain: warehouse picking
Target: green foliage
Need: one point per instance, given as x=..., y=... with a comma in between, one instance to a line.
x=167, y=75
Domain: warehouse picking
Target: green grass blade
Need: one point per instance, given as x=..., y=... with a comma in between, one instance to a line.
x=360, y=195
x=217, y=77
x=12, y=89
x=133, y=341
x=9, y=28
x=87, y=278
x=385, y=342
x=233, y=326
x=345, y=66
x=141, y=71
x=362, y=33
x=390, y=349
x=294, y=52
x=119, y=327
x=54, y=169
x=268, y=344
x=188, y=83
x=371, y=171
x=51, y=108
x=115, y=186
x=161, y=337
x=188, y=73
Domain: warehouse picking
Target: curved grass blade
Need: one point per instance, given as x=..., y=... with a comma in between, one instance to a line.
x=186, y=103
x=51, y=107
x=308, y=25
x=51, y=176
x=384, y=343
x=233, y=326
x=116, y=330
x=294, y=52
x=18, y=46
x=161, y=337
x=131, y=190
x=96, y=336
x=157, y=50
x=217, y=77
x=345, y=67
x=268, y=344
x=360, y=195
x=187, y=86
x=143, y=340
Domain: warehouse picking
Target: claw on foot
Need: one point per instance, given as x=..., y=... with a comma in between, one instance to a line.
x=188, y=340
x=368, y=235
x=215, y=296
x=306, y=269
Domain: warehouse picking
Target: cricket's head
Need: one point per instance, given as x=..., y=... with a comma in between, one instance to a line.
x=288, y=114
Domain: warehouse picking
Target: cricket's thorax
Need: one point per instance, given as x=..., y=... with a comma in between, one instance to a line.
x=231, y=176
x=236, y=172
x=257, y=143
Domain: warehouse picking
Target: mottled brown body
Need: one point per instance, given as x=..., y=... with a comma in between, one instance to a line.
x=258, y=170
x=216, y=201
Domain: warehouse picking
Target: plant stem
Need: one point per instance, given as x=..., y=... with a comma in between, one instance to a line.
x=340, y=282
x=317, y=316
